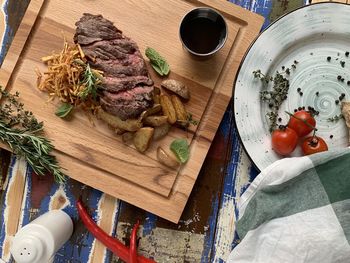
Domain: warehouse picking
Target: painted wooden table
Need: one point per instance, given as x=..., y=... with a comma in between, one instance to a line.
x=206, y=230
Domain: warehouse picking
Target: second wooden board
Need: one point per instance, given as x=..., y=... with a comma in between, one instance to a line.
x=92, y=153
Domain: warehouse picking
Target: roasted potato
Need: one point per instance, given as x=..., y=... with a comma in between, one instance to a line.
x=167, y=159
x=155, y=121
x=117, y=123
x=161, y=131
x=156, y=94
x=151, y=111
x=181, y=113
x=177, y=87
x=143, y=138
x=168, y=108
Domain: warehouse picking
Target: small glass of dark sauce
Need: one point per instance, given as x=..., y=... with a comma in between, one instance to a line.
x=203, y=31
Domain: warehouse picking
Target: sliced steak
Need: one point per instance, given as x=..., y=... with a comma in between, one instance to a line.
x=129, y=103
x=112, y=84
x=126, y=88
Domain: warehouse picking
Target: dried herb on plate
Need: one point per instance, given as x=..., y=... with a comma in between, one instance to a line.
x=158, y=63
x=22, y=132
x=275, y=96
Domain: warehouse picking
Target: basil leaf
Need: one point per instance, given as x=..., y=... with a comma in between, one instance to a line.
x=181, y=150
x=159, y=64
x=64, y=110
x=157, y=69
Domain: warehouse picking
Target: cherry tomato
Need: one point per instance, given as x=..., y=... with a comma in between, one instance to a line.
x=298, y=124
x=284, y=141
x=314, y=144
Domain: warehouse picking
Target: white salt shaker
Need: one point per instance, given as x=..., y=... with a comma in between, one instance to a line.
x=38, y=241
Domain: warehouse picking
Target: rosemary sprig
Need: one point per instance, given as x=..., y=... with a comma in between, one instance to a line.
x=91, y=81
x=22, y=132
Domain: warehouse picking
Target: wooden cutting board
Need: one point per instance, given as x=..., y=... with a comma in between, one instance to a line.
x=92, y=153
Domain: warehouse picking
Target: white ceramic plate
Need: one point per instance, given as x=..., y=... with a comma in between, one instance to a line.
x=308, y=35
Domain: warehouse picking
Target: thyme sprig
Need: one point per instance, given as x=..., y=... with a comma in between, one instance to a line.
x=335, y=118
x=23, y=133
x=275, y=96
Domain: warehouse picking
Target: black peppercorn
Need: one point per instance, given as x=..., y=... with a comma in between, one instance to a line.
x=298, y=89
x=317, y=93
x=301, y=94
x=329, y=58
x=337, y=102
x=347, y=53
x=331, y=136
x=339, y=77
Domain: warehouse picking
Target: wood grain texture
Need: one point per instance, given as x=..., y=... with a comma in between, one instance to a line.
x=19, y=41
x=95, y=156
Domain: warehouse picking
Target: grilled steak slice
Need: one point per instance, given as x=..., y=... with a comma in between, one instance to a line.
x=92, y=28
x=127, y=87
x=112, y=84
x=127, y=104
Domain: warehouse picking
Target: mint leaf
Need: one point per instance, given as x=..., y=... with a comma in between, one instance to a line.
x=159, y=64
x=181, y=150
x=64, y=110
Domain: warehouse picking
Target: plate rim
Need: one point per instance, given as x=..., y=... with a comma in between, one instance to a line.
x=244, y=58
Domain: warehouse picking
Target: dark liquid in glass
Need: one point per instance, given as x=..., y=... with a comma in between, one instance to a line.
x=201, y=34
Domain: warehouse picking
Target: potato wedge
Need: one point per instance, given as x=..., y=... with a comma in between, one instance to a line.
x=156, y=94
x=156, y=99
x=155, y=121
x=151, y=111
x=181, y=113
x=177, y=87
x=168, y=108
x=117, y=123
x=167, y=159
x=143, y=138
x=161, y=131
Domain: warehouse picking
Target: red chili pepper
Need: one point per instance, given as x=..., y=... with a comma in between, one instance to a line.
x=117, y=247
x=133, y=243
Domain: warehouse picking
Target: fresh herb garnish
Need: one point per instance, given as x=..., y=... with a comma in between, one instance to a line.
x=191, y=120
x=64, y=110
x=91, y=81
x=158, y=63
x=23, y=134
x=335, y=118
x=181, y=150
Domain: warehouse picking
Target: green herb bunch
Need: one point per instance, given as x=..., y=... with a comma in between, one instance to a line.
x=22, y=132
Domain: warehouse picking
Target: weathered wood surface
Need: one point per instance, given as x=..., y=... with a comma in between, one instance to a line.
x=205, y=232
x=119, y=168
